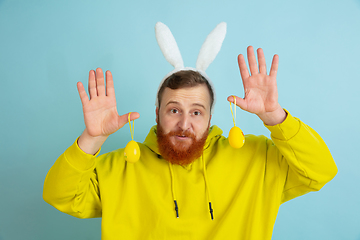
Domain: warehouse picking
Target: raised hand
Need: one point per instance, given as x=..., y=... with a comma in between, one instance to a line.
x=261, y=96
x=100, y=112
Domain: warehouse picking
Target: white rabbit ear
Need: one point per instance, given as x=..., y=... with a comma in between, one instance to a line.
x=168, y=45
x=211, y=47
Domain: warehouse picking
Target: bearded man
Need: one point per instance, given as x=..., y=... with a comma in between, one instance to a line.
x=186, y=99
x=189, y=183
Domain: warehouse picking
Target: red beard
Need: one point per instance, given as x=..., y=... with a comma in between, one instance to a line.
x=180, y=154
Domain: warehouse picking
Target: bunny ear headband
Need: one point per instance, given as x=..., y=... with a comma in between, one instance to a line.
x=207, y=54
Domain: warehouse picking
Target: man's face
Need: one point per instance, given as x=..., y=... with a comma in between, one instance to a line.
x=185, y=109
x=183, y=119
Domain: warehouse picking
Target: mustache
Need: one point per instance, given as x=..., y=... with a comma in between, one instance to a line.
x=186, y=133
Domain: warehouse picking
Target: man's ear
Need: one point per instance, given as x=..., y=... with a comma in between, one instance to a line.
x=157, y=115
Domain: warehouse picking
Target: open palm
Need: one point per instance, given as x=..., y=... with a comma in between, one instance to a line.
x=261, y=95
x=100, y=112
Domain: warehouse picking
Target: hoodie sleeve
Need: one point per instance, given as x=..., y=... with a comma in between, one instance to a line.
x=309, y=162
x=71, y=184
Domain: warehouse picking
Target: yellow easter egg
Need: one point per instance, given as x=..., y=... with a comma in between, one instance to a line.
x=132, y=151
x=236, y=137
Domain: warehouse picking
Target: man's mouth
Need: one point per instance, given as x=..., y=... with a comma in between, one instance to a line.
x=182, y=137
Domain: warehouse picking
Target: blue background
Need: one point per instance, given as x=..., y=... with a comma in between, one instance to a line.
x=47, y=46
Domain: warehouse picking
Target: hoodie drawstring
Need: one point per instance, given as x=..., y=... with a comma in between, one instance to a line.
x=173, y=189
x=207, y=189
x=208, y=196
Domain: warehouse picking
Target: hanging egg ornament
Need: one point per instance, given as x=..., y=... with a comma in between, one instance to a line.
x=132, y=151
x=236, y=137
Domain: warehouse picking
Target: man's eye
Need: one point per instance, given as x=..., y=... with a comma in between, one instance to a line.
x=196, y=113
x=174, y=111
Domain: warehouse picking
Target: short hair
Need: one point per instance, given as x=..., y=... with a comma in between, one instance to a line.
x=184, y=79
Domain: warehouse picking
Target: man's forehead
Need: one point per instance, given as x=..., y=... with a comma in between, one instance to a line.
x=195, y=96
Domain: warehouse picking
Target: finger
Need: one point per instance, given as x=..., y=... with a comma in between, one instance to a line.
x=274, y=66
x=231, y=98
x=243, y=68
x=92, y=84
x=252, y=60
x=240, y=102
x=100, y=85
x=82, y=93
x=261, y=60
x=124, y=119
x=110, y=91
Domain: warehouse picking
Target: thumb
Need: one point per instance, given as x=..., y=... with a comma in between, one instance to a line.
x=240, y=102
x=124, y=119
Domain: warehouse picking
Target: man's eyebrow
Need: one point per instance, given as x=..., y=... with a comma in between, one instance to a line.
x=172, y=102
x=194, y=104
x=199, y=105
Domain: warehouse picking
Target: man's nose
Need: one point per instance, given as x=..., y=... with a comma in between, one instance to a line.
x=184, y=122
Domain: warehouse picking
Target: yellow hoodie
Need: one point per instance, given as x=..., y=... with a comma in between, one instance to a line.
x=245, y=186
